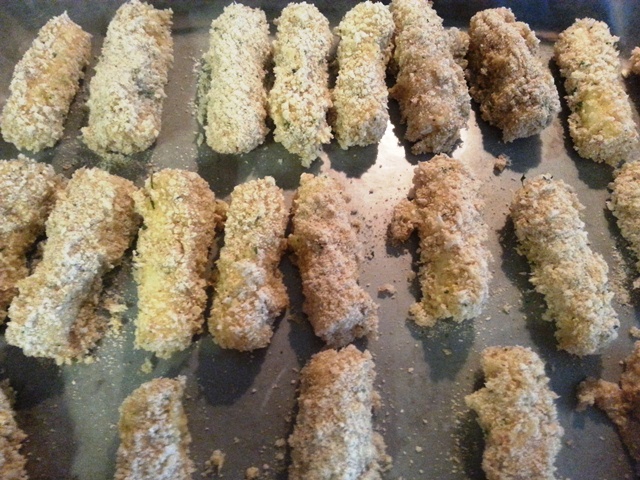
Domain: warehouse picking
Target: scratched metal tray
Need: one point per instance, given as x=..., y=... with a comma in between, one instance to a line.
x=243, y=403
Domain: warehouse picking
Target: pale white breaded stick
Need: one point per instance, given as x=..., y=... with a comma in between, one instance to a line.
x=239, y=48
x=601, y=121
x=514, y=88
x=454, y=259
x=154, y=435
x=300, y=97
x=333, y=436
x=88, y=231
x=127, y=91
x=517, y=413
x=430, y=85
x=328, y=255
x=572, y=278
x=179, y=215
x=625, y=205
x=44, y=83
x=250, y=293
x=360, y=95
x=27, y=193
x=621, y=402
x=634, y=60
x=12, y=462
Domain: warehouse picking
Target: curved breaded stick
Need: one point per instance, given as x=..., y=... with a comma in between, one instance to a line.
x=515, y=90
x=454, y=271
x=239, y=48
x=12, y=462
x=127, y=91
x=517, y=413
x=333, y=436
x=572, y=278
x=179, y=213
x=360, y=95
x=430, y=85
x=328, y=255
x=154, y=436
x=28, y=191
x=44, y=83
x=88, y=231
x=625, y=205
x=249, y=292
x=300, y=98
x=601, y=122
x=620, y=401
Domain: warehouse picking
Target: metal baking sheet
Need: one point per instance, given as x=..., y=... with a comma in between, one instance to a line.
x=243, y=403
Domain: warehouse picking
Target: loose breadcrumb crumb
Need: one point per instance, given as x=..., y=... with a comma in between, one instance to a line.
x=625, y=205
x=252, y=473
x=502, y=162
x=215, y=463
x=572, y=278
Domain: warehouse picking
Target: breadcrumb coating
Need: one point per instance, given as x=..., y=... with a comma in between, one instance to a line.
x=88, y=231
x=28, y=191
x=601, y=121
x=620, y=402
x=328, y=254
x=625, y=205
x=154, y=435
x=333, y=437
x=634, y=60
x=179, y=213
x=430, y=85
x=360, y=95
x=250, y=293
x=454, y=260
x=300, y=97
x=12, y=462
x=239, y=48
x=572, y=278
x=127, y=91
x=44, y=83
x=515, y=90
x=516, y=410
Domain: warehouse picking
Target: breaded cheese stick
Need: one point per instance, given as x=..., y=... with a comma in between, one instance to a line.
x=179, y=214
x=44, y=83
x=127, y=91
x=12, y=462
x=360, y=95
x=625, y=205
x=517, y=413
x=28, y=191
x=454, y=271
x=515, y=90
x=430, y=85
x=88, y=231
x=300, y=97
x=601, y=121
x=621, y=402
x=154, y=436
x=239, y=48
x=333, y=436
x=634, y=60
x=328, y=254
x=572, y=278
x=250, y=293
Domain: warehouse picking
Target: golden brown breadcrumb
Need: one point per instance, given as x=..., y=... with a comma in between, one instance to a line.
x=12, y=462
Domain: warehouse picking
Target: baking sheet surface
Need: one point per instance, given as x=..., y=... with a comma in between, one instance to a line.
x=243, y=403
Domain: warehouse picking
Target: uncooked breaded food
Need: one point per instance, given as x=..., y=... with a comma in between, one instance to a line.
x=634, y=60
x=625, y=205
x=154, y=435
x=621, y=402
x=601, y=121
x=514, y=88
x=27, y=193
x=239, y=48
x=12, y=462
x=250, y=293
x=179, y=214
x=333, y=437
x=127, y=90
x=572, y=278
x=88, y=231
x=360, y=96
x=300, y=97
x=517, y=413
x=430, y=85
x=44, y=83
x=328, y=254
x=454, y=259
